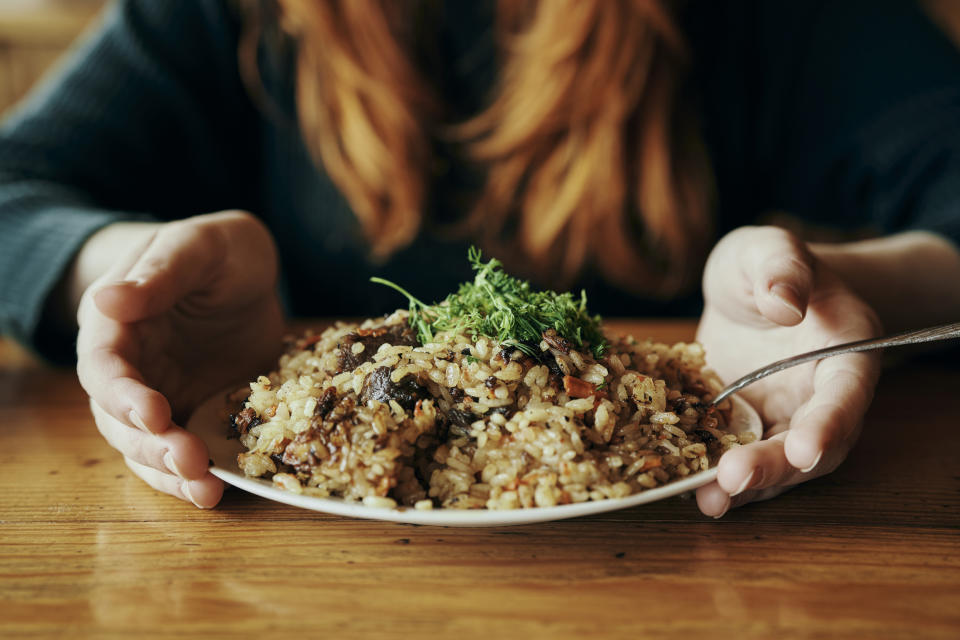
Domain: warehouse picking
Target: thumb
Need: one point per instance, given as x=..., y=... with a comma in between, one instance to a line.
x=760, y=275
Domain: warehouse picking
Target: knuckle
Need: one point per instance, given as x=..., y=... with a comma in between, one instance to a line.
x=205, y=235
x=740, y=232
x=254, y=228
x=781, y=234
x=155, y=265
x=773, y=234
x=209, y=235
x=242, y=216
x=149, y=475
x=214, y=238
x=780, y=264
x=783, y=242
x=143, y=448
x=84, y=375
x=187, y=232
x=85, y=307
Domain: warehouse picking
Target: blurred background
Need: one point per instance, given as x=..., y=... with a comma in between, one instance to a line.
x=35, y=33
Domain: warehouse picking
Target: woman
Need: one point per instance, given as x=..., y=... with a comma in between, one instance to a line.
x=602, y=144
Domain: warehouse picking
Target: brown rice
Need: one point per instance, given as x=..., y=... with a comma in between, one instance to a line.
x=468, y=424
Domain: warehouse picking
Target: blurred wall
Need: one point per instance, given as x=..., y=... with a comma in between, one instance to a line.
x=33, y=34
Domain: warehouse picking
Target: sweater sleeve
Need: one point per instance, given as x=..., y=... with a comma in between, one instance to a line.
x=867, y=126
x=148, y=119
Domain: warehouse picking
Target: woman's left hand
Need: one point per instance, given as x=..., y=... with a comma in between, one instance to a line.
x=767, y=297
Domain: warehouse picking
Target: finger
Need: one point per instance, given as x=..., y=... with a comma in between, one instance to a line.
x=231, y=248
x=178, y=260
x=105, y=350
x=204, y=493
x=754, y=466
x=760, y=275
x=174, y=451
x=823, y=430
x=713, y=500
x=115, y=272
x=743, y=472
x=819, y=439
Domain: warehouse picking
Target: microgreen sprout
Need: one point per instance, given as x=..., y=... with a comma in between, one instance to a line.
x=500, y=306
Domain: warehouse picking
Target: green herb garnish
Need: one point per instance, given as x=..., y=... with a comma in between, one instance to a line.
x=500, y=306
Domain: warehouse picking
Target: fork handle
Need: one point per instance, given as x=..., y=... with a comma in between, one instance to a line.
x=930, y=334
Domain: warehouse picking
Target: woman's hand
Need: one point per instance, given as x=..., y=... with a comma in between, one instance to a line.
x=187, y=311
x=768, y=297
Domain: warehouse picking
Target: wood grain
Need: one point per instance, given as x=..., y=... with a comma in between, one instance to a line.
x=872, y=551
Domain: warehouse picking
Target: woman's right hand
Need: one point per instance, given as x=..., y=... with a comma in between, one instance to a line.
x=190, y=309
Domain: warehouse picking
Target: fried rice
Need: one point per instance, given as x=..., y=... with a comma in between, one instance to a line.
x=366, y=413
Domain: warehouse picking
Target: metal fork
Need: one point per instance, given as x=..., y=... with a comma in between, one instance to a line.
x=930, y=334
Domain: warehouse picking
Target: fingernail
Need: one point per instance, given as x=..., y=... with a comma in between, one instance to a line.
x=137, y=421
x=127, y=283
x=816, y=461
x=746, y=484
x=788, y=297
x=726, y=508
x=185, y=489
x=171, y=464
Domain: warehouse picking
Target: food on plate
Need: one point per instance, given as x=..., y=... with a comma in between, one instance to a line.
x=499, y=397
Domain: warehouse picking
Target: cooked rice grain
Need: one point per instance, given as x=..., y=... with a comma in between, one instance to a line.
x=462, y=424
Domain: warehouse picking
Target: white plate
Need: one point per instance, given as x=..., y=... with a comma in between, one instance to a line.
x=206, y=422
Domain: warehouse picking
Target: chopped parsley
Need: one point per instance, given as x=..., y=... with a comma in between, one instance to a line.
x=500, y=306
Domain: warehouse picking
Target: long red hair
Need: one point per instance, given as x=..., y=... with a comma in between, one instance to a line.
x=590, y=153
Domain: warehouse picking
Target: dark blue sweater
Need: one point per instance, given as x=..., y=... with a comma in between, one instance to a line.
x=845, y=114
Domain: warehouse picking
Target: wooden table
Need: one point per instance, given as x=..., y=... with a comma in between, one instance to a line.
x=87, y=550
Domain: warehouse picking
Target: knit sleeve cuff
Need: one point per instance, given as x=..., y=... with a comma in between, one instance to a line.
x=38, y=252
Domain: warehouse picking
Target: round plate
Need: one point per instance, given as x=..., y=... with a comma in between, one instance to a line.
x=207, y=423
